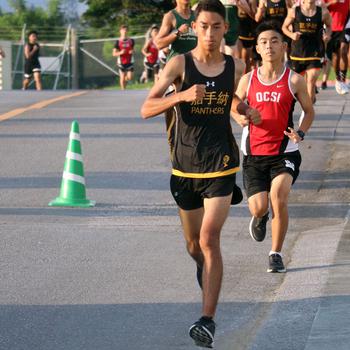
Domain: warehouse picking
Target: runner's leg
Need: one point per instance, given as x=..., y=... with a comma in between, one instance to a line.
x=215, y=213
x=280, y=189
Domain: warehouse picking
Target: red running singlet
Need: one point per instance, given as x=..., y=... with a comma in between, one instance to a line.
x=275, y=102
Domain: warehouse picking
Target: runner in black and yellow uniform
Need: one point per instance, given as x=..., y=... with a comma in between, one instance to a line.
x=246, y=31
x=307, y=36
x=205, y=155
x=273, y=10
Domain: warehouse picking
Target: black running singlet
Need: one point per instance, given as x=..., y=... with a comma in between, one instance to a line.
x=310, y=45
x=204, y=146
x=276, y=11
x=34, y=59
x=247, y=25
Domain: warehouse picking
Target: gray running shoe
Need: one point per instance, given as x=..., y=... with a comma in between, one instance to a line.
x=202, y=332
x=257, y=227
x=276, y=264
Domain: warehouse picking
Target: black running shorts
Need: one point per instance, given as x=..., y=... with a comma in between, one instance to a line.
x=189, y=193
x=334, y=43
x=302, y=66
x=126, y=67
x=259, y=171
x=30, y=69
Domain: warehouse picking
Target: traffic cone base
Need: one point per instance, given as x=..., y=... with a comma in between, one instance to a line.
x=73, y=193
x=63, y=202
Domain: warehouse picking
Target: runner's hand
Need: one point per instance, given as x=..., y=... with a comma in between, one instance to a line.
x=183, y=28
x=243, y=120
x=194, y=93
x=296, y=36
x=254, y=116
x=326, y=38
x=293, y=135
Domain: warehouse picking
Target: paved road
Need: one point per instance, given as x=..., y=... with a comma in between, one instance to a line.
x=117, y=276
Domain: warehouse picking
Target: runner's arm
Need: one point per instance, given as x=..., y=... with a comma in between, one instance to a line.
x=289, y=4
x=240, y=111
x=298, y=86
x=260, y=13
x=327, y=21
x=156, y=103
x=27, y=53
x=145, y=48
x=116, y=52
x=239, y=70
x=166, y=35
x=287, y=24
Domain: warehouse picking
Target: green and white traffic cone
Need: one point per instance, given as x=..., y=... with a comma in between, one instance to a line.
x=73, y=193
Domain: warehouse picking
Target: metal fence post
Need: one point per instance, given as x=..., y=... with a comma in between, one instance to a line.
x=75, y=59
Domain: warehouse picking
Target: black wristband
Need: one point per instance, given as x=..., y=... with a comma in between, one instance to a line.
x=301, y=134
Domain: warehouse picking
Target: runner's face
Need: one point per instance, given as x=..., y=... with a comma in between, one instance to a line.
x=123, y=31
x=154, y=33
x=309, y=2
x=183, y=3
x=210, y=28
x=270, y=46
x=33, y=38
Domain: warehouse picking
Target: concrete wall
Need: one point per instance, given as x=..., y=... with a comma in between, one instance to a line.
x=5, y=66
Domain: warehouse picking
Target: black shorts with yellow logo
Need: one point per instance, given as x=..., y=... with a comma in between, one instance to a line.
x=189, y=193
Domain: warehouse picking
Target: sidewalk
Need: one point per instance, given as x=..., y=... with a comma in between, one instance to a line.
x=331, y=327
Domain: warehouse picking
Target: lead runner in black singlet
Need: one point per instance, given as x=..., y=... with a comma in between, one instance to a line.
x=204, y=152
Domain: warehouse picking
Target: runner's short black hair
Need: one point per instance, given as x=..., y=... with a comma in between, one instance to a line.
x=210, y=6
x=269, y=25
x=32, y=32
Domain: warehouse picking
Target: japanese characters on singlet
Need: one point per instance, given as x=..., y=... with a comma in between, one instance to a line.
x=204, y=146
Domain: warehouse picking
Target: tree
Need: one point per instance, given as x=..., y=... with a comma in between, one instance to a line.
x=45, y=21
x=137, y=14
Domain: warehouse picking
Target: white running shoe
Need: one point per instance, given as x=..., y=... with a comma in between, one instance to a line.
x=341, y=88
x=345, y=87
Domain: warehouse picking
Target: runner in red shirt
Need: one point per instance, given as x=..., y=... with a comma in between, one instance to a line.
x=337, y=47
x=150, y=51
x=270, y=146
x=123, y=50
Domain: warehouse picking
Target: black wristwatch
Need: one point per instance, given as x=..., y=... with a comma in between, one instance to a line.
x=301, y=134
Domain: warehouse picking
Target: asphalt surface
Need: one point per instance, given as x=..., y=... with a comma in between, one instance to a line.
x=117, y=276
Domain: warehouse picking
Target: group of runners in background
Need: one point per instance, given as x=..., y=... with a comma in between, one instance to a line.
x=317, y=33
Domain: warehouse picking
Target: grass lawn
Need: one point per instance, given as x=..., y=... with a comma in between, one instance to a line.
x=139, y=86
x=132, y=86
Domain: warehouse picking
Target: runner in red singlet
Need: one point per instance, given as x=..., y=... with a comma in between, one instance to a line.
x=337, y=47
x=123, y=50
x=271, y=156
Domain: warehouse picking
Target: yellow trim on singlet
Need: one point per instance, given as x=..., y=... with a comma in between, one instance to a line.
x=305, y=58
x=245, y=37
x=205, y=175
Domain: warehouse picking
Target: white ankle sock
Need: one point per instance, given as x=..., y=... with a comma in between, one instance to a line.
x=272, y=252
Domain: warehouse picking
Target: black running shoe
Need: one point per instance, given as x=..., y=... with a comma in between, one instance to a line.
x=276, y=264
x=324, y=85
x=202, y=332
x=257, y=227
x=199, y=275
